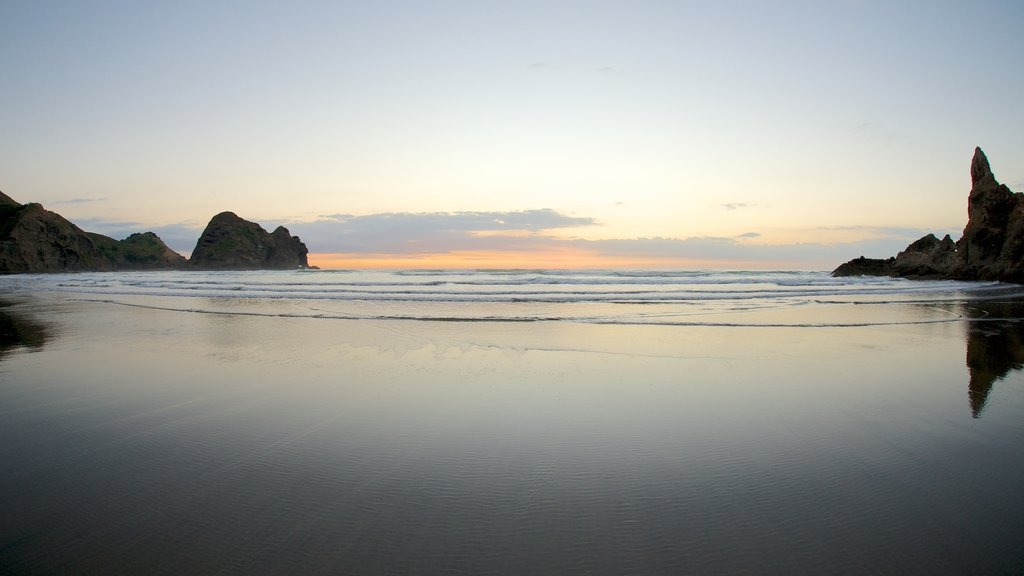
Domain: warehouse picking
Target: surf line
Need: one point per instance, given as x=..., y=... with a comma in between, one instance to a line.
x=499, y=319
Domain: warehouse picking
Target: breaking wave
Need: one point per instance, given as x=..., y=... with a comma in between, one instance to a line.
x=609, y=296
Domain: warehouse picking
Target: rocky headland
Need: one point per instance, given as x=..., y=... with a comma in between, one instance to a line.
x=991, y=247
x=33, y=240
x=231, y=243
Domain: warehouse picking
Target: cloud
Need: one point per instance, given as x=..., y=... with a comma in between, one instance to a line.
x=735, y=205
x=107, y=227
x=78, y=201
x=179, y=237
x=719, y=250
x=894, y=231
x=530, y=231
x=404, y=232
x=875, y=132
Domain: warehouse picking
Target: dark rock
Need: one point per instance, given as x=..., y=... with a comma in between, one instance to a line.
x=33, y=239
x=145, y=251
x=231, y=243
x=928, y=257
x=992, y=245
x=865, y=267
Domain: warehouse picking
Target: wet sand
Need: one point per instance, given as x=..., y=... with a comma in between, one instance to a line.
x=139, y=440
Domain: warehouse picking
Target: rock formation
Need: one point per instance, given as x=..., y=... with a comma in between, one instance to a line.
x=231, y=243
x=991, y=248
x=928, y=257
x=145, y=251
x=862, y=266
x=33, y=239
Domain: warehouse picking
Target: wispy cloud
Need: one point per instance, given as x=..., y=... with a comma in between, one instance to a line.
x=894, y=231
x=875, y=132
x=78, y=201
x=735, y=205
x=718, y=249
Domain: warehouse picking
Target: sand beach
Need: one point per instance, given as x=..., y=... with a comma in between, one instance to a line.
x=156, y=433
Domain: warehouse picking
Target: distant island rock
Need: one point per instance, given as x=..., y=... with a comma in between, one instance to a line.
x=33, y=240
x=991, y=248
x=231, y=243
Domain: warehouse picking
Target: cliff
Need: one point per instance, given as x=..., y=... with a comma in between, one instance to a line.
x=33, y=239
x=231, y=243
x=991, y=247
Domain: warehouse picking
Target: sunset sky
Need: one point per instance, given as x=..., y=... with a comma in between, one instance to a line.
x=540, y=134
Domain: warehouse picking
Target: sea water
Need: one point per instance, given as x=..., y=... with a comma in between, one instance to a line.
x=589, y=296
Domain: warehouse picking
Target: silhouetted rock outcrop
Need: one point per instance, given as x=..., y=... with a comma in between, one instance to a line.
x=145, y=251
x=928, y=257
x=991, y=248
x=865, y=267
x=231, y=243
x=33, y=239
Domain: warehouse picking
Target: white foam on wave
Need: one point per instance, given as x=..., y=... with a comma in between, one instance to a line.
x=521, y=295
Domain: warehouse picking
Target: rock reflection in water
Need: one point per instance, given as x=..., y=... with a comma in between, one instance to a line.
x=16, y=331
x=995, y=346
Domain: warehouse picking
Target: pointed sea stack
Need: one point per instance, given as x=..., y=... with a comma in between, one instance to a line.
x=232, y=243
x=991, y=248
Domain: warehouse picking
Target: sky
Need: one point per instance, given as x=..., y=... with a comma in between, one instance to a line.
x=792, y=134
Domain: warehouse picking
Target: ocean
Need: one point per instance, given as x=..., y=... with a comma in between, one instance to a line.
x=687, y=298
x=510, y=422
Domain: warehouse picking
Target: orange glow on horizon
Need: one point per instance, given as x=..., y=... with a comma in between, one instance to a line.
x=551, y=259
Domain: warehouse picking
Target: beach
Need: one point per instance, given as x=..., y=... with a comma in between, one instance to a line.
x=510, y=424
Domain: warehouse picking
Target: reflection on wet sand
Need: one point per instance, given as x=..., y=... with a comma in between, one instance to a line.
x=17, y=331
x=995, y=346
